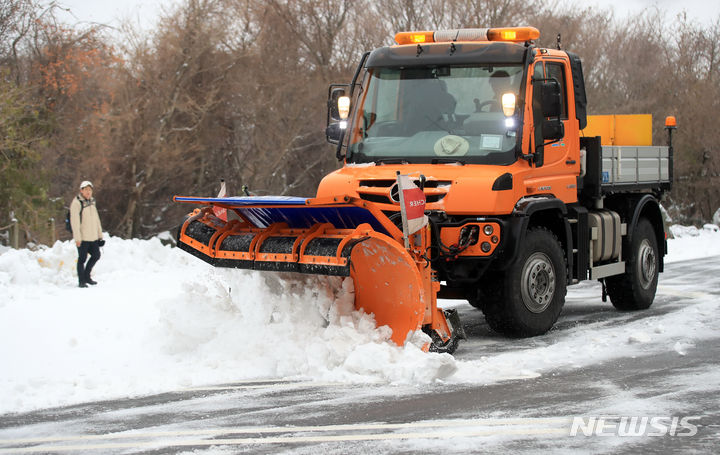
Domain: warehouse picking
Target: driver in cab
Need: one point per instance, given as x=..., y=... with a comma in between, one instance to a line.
x=500, y=83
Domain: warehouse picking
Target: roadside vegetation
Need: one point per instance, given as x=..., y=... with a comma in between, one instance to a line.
x=236, y=89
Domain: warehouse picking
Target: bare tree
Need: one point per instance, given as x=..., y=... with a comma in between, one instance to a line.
x=165, y=116
x=317, y=25
x=236, y=89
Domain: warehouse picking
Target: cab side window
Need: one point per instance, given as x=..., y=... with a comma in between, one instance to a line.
x=555, y=71
x=538, y=72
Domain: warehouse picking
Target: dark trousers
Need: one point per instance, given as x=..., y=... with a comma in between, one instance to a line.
x=83, y=269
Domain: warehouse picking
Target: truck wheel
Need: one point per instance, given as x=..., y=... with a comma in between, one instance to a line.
x=533, y=288
x=635, y=289
x=488, y=291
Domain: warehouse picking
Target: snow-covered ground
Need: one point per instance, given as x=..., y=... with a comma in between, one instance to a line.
x=161, y=320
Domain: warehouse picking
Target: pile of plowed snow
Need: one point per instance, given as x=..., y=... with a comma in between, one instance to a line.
x=162, y=320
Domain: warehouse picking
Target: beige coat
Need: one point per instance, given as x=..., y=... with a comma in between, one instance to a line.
x=89, y=229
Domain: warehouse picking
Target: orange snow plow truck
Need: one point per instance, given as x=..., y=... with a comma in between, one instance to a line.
x=524, y=193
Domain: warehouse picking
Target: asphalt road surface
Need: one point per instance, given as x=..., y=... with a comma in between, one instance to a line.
x=525, y=414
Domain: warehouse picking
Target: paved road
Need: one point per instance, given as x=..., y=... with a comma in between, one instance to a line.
x=524, y=415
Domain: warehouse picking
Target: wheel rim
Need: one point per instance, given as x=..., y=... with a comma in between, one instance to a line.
x=538, y=282
x=646, y=263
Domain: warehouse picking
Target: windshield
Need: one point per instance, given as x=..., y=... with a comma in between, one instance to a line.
x=438, y=114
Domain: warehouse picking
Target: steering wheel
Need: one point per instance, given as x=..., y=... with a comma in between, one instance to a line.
x=494, y=106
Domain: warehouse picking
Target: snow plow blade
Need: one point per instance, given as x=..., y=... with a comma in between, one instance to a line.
x=339, y=237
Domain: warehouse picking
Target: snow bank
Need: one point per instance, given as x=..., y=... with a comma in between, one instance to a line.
x=693, y=243
x=162, y=320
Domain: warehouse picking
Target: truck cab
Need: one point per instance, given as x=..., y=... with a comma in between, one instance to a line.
x=441, y=103
x=491, y=127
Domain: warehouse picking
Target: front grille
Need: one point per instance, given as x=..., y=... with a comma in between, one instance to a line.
x=376, y=198
x=369, y=190
x=389, y=183
x=377, y=183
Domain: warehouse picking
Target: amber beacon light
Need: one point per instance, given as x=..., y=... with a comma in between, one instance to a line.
x=511, y=34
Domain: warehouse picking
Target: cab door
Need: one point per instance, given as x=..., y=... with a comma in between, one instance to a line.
x=555, y=69
x=558, y=174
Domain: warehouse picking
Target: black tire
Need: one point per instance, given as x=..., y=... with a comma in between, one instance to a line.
x=476, y=302
x=532, y=290
x=488, y=292
x=635, y=289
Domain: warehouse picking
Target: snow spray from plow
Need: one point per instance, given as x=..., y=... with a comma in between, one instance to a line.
x=334, y=236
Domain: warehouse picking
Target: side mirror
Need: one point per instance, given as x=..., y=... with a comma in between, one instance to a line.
x=552, y=125
x=547, y=112
x=333, y=133
x=336, y=92
x=551, y=100
x=338, y=105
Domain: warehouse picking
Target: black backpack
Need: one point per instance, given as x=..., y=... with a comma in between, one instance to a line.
x=68, y=225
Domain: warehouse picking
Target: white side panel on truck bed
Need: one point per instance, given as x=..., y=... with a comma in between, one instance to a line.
x=635, y=165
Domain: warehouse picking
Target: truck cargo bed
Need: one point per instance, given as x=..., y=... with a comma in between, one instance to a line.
x=611, y=169
x=634, y=165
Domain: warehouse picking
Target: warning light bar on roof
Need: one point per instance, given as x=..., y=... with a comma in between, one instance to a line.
x=512, y=34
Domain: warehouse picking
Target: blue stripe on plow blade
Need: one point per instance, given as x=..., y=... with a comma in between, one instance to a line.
x=244, y=201
x=297, y=215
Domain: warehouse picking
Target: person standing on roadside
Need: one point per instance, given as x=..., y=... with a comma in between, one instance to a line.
x=87, y=232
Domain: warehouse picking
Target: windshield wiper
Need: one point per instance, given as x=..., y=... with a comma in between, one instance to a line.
x=447, y=160
x=391, y=161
